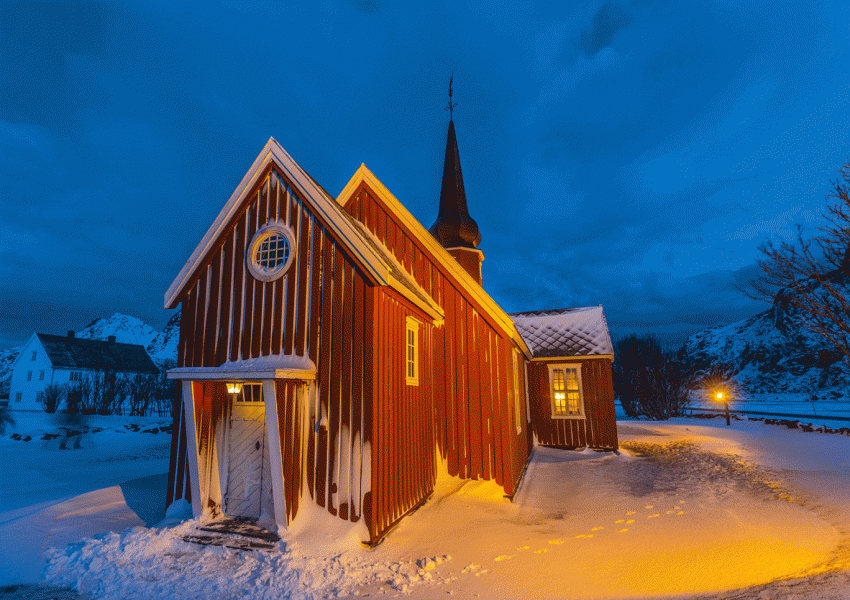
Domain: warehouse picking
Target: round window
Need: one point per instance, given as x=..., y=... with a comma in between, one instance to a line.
x=270, y=252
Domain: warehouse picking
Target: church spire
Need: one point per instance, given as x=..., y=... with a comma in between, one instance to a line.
x=454, y=228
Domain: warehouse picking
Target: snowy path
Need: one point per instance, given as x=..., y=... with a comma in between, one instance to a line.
x=689, y=507
x=52, y=497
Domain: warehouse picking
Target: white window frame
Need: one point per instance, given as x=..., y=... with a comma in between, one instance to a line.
x=411, y=326
x=34, y=354
x=517, y=410
x=19, y=396
x=564, y=366
x=41, y=375
x=259, y=272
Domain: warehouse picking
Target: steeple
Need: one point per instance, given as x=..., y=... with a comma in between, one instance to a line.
x=454, y=228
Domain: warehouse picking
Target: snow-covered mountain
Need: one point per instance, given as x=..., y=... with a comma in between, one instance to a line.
x=126, y=329
x=7, y=357
x=770, y=352
x=163, y=347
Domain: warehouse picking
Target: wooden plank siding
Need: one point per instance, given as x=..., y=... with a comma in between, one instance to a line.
x=474, y=428
x=402, y=439
x=319, y=309
x=598, y=429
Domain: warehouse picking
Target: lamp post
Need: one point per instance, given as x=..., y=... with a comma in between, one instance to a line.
x=726, y=404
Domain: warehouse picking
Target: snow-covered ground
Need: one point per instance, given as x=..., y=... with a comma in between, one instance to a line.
x=689, y=507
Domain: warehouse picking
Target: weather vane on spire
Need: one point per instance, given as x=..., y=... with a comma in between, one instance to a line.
x=451, y=105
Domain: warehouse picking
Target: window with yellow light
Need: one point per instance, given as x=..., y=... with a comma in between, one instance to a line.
x=566, y=391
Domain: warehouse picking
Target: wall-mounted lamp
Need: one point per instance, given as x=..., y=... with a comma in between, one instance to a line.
x=233, y=387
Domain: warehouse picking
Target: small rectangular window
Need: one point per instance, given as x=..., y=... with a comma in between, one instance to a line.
x=565, y=390
x=18, y=397
x=412, y=351
x=41, y=375
x=34, y=354
x=251, y=392
x=29, y=375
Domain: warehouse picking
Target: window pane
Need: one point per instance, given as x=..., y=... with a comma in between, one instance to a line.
x=572, y=379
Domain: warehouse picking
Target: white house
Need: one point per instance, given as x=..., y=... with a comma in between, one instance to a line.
x=55, y=359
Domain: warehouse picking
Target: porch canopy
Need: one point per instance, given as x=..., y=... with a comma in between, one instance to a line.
x=281, y=366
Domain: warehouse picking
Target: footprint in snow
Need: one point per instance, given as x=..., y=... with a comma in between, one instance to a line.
x=523, y=548
x=541, y=551
x=481, y=572
x=630, y=521
x=620, y=521
x=653, y=516
x=623, y=530
x=503, y=557
x=556, y=541
x=648, y=506
x=585, y=535
x=681, y=512
x=597, y=528
x=631, y=512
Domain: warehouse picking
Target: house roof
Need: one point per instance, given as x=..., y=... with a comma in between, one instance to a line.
x=565, y=332
x=469, y=285
x=95, y=354
x=368, y=252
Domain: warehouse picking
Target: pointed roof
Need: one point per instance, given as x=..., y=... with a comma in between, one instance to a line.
x=464, y=280
x=373, y=257
x=565, y=332
x=454, y=227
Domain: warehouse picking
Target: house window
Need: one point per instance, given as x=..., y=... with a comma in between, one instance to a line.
x=412, y=351
x=41, y=375
x=565, y=391
x=517, y=411
x=29, y=375
x=18, y=396
x=250, y=392
x=270, y=252
x=34, y=354
x=75, y=376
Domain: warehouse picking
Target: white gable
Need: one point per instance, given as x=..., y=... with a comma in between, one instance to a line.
x=318, y=200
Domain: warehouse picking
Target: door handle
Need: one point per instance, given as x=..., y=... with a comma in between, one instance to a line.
x=257, y=445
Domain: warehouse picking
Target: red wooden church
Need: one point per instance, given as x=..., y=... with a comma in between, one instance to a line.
x=332, y=350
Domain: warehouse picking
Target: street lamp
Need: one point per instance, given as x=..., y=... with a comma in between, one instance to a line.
x=726, y=404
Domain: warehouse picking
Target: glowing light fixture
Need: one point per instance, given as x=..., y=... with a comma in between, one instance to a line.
x=719, y=396
x=233, y=387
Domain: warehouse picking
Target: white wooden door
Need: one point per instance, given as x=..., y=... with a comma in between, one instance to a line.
x=249, y=489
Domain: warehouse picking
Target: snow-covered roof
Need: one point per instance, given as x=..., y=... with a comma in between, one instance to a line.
x=276, y=366
x=95, y=354
x=565, y=332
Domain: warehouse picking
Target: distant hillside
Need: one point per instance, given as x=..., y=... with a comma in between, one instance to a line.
x=7, y=357
x=771, y=352
x=160, y=345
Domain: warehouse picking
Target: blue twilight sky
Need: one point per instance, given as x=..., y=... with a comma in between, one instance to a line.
x=631, y=153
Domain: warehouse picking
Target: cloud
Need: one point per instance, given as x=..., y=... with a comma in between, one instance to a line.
x=609, y=19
